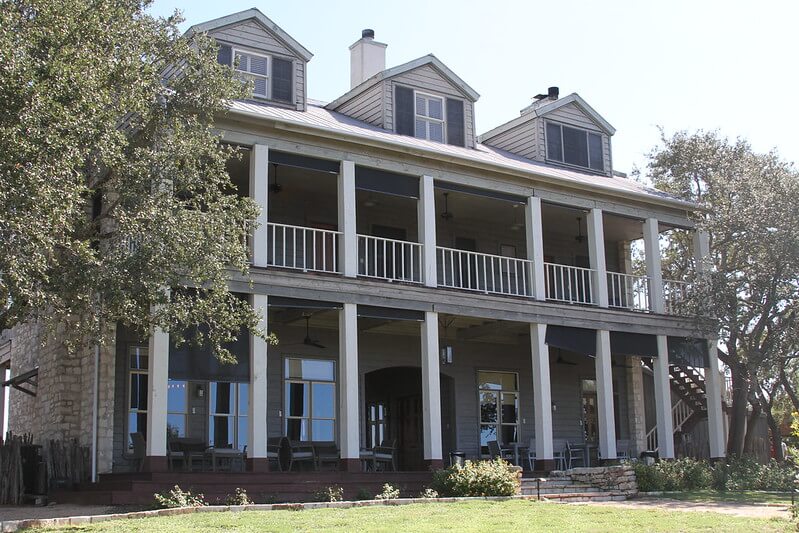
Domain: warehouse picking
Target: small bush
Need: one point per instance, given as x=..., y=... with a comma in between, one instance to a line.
x=390, y=492
x=177, y=497
x=428, y=493
x=363, y=494
x=333, y=493
x=238, y=498
x=477, y=478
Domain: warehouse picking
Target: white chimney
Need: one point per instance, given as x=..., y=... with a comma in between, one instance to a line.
x=367, y=58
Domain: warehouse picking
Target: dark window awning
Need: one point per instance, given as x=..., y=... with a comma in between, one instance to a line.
x=382, y=181
x=26, y=382
x=577, y=340
x=688, y=351
x=390, y=313
x=191, y=362
x=485, y=193
x=303, y=161
x=299, y=303
x=635, y=344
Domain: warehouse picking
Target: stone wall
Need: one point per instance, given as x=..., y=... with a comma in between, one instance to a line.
x=63, y=406
x=614, y=479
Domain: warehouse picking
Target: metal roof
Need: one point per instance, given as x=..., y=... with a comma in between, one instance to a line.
x=331, y=122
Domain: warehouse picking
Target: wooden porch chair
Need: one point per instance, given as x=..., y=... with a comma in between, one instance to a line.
x=531, y=454
x=301, y=452
x=385, y=455
x=495, y=450
x=274, y=450
x=574, y=455
x=326, y=453
x=175, y=455
x=139, y=450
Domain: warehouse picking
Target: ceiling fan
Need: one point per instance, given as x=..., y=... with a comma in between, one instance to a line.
x=308, y=341
x=275, y=187
x=446, y=215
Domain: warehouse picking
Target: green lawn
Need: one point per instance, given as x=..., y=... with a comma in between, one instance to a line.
x=749, y=496
x=516, y=515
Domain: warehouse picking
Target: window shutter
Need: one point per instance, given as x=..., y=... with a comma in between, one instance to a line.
x=282, y=79
x=225, y=55
x=403, y=110
x=456, y=133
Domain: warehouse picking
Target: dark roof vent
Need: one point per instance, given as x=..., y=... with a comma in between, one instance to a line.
x=368, y=34
x=552, y=94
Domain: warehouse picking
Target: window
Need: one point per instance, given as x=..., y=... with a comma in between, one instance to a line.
x=429, y=117
x=176, y=408
x=228, y=408
x=310, y=399
x=377, y=428
x=574, y=146
x=138, y=365
x=256, y=68
x=499, y=407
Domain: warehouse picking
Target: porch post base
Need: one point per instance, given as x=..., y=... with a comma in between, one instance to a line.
x=434, y=464
x=350, y=465
x=155, y=463
x=545, y=465
x=258, y=464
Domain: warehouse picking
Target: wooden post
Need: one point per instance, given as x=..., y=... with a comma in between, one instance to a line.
x=259, y=191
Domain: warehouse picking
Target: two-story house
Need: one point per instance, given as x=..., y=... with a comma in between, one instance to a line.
x=433, y=290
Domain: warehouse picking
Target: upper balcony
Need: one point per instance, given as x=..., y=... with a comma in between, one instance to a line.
x=416, y=230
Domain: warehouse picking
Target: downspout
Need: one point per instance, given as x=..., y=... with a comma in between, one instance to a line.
x=95, y=409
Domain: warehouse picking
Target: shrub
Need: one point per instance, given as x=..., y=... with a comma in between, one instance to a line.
x=333, y=493
x=744, y=473
x=428, y=493
x=736, y=475
x=477, y=478
x=390, y=492
x=363, y=494
x=238, y=498
x=177, y=497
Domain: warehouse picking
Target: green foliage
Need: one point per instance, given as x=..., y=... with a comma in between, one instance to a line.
x=363, y=494
x=177, y=497
x=114, y=184
x=238, y=498
x=389, y=492
x=428, y=493
x=738, y=474
x=477, y=478
x=334, y=493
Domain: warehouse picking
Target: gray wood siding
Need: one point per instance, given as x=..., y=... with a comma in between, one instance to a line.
x=521, y=140
x=366, y=106
x=426, y=78
x=250, y=34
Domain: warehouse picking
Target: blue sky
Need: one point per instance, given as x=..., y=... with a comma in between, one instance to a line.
x=701, y=64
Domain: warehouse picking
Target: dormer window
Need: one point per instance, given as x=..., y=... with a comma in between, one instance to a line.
x=574, y=146
x=429, y=117
x=256, y=68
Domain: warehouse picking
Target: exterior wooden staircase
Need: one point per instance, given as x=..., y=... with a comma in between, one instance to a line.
x=691, y=407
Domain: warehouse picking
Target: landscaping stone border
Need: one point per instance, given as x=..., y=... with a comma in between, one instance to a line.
x=10, y=526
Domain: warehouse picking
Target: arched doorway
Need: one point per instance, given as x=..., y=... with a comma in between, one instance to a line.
x=394, y=413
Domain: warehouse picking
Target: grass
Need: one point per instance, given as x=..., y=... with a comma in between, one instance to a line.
x=515, y=515
x=747, y=496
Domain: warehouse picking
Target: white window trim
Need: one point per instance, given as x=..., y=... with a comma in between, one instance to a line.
x=563, y=151
x=428, y=119
x=131, y=372
x=236, y=415
x=309, y=383
x=499, y=422
x=268, y=76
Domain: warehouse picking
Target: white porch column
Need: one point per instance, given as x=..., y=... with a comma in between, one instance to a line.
x=713, y=378
x=596, y=254
x=157, y=399
x=604, y=396
x=665, y=424
x=653, y=268
x=349, y=436
x=259, y=191
x=257, y=433
x=426, y=216
x=535, y=246
x=542, y=393
x=431, y=389
x=348, y=246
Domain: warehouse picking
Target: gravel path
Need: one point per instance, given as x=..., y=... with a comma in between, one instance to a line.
x=731, y=508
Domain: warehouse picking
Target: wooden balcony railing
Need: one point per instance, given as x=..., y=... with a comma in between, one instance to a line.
x=569, y=284
x=306, y=249
x=474, y=271
x=627, y=291
x=389, y=259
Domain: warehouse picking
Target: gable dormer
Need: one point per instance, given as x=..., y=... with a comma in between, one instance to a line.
x=422, y=98
x=564, y=132
x=259, y=50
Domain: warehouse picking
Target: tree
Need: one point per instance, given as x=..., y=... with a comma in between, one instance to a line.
x=114, y=188
x=748, y=203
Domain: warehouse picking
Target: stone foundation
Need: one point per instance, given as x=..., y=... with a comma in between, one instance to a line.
x=613, y=479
